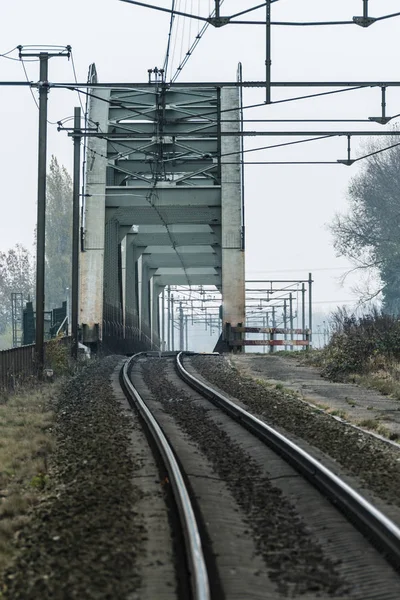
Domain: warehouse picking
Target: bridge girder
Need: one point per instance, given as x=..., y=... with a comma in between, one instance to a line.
x=170, y=208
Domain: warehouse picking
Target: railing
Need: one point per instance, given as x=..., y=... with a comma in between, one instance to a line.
x=235, y=337
x=18, y=365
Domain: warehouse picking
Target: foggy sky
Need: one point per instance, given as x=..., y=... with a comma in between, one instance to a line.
x=287, y=207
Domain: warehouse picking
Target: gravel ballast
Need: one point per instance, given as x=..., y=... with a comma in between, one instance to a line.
x=375, y=463
x=85, y=535
x=295, y=561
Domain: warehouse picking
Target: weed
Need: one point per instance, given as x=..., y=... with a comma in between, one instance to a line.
x=383, y=431
x=337, y=413
x=369, y=424
x=279, y=386
x=39, y=481
x=351, y=402
x=58, y=357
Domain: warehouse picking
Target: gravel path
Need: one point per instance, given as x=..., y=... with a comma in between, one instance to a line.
x=85, y=536
x=376, y=464
x=357, y=404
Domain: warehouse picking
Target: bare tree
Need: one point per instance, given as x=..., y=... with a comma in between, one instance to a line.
x=369, y=234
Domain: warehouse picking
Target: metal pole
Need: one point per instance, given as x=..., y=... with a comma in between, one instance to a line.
x=169, y=319
x=186, y=334
x=365, y=14
x=268, y=61
x=242, y=171
x=75, y=232
x=181, y=332
x=41, y=211
x=272, y=349
x=303, y=310
x=291, y=318
x=172, y=324
x=285, y=321
x=217, y=9
x=263, y=324
x=163, y=319
x=310, y=282
x=383, y=103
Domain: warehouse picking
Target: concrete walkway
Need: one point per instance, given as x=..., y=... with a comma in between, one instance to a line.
x=351, y=402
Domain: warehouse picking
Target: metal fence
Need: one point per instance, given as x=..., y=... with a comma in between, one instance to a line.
x=235, y=337
x=18, y=365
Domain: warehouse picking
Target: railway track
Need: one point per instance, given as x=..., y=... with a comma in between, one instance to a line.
x=227, y=480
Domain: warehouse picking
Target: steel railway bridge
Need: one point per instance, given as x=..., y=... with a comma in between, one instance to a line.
x=162, y=205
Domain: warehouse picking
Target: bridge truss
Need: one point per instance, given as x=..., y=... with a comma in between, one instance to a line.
x=162, y=205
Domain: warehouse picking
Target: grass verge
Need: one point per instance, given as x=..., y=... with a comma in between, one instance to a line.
x=26, y=442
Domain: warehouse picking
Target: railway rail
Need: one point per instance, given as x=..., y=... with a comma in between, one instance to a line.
x=372, y=523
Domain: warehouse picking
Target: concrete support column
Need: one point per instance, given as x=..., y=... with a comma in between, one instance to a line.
x=155, y=310
x=233, y=274
x=93, y=226
x=131, y=254
x=146, y=296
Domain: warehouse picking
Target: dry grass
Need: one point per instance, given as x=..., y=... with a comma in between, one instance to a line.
x=337, y=412
x=378, y=427
x=26, y=441
x=385, y=382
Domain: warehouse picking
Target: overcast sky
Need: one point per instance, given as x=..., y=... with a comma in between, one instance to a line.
x=287, y=207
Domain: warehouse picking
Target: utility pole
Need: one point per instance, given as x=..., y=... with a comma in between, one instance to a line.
x=163, y=320
x=303, y=310
x=75, y=232
x=41, y=210
x=172, y=324
x=272, y=349
x=186, y=334
x=285, y=320
x=181, y=332
x=291, y=317
x=268, y=61
x=263, y=324
x=310, y=282
x=43, y=87
x=169, y=318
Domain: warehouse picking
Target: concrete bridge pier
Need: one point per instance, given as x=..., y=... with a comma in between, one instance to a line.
x=233, y=267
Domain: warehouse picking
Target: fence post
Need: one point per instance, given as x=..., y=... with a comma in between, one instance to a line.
x=272, y=337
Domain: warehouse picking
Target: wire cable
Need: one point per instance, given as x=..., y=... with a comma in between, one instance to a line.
x=171, y=23
x=76, y=81
x=193, y=47
x=31, y=91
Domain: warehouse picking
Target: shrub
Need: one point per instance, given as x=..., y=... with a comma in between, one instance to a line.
x=359, y=344
x=58, y=356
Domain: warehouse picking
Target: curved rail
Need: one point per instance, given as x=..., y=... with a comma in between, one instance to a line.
x=371, y=522
x=199, y=577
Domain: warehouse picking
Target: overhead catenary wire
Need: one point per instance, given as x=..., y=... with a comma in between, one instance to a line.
x=192, y=48
x=230, y=18
x=171, y=23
